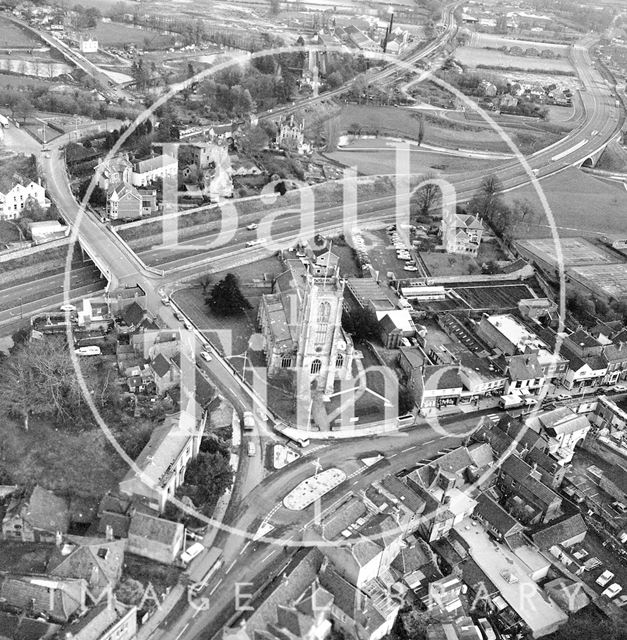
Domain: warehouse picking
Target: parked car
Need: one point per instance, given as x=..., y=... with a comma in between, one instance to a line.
x=252, y=227
x=409, y=267
x=619, y=388
x=604, y=578
x=68, y=307
x=250, y=448
x=165, y=300
x=205, y=355
x=613, y=590
x=562, y=396
x=191, y=552
x=486, y=628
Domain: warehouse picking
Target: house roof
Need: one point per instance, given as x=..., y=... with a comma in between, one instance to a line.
x=42, y=510
x=559, y=531
x=525, y=367
x=153, y=163
x=481, y=454
x=519, y=470
x=88, y=558
x=563, y=420
x=403, y=493
x=413, y=357
x=568, y=594
x=14, y=627
x=340, y=519
x=155, y=462
x=133, y=314
x=496, y=516
x=583, y=339
x=160, y=365
x=476, y=579
x=59, y=598
x=155, y=529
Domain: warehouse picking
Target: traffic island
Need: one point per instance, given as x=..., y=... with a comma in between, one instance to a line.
x=313, y=488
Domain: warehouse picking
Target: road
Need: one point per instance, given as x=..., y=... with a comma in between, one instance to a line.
x=254, y=560
x=245, y=560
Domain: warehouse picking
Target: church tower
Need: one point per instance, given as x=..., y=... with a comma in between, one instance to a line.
x=325, y=351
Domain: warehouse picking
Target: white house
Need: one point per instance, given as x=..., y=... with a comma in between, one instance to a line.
x=15, y=195
x=146, y=171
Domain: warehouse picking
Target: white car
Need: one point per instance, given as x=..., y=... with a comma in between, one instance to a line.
x=409, y=267
x=68, y=307
x=604, y=578
x=487, y=629
x=191, y=552
x=613, y=590
x=205, y=355
x=619, y=388
x=252, y=227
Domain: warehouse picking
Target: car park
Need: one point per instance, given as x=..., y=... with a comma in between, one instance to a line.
x=613, y=590
x=604, y=578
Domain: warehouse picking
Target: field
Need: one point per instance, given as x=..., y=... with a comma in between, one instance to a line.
x=472, y=57
x=13, y=36
x=575, y=199
x=114, y=34
x=15, y=81
x=405, y=123
x=485, y=40
x=373, y=157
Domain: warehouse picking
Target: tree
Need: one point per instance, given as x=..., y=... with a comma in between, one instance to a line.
x=252, y=139
x=208, y=477
x=275, y=6
x=205, y=282
x=405, y=400
x=421, y=129
x=426, y=197
x=334, y=80
x=354, y=129
x=226, y=298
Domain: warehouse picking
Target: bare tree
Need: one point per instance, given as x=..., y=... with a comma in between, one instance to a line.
x=427, y=196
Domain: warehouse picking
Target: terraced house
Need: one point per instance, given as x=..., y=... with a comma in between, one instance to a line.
x=15, y=193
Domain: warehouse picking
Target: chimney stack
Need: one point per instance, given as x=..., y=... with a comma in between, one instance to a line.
x=109, y=533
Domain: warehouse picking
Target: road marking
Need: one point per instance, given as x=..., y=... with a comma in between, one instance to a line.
x=270, y=554
x=182, y=630
x=394, y=454
x=356, y=481
x=245, y=546
x=430, y=441
x=217, y=585
x=409, y=449
x=231, y=566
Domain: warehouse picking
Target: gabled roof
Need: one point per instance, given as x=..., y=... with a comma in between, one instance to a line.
x=563, y=420
x=156, y=460
x=496, y=516
x=155, y=529
x=340, y=519
x=583, y=339
x=403, y=493
x=42, y=510
x=559, y=531
x=14, y=627
x=520, y=471
x=41, y=594
x=156, y=162
x=95, y=560
x=525, y=367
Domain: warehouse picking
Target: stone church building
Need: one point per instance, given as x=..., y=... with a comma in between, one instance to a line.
x=301, y=323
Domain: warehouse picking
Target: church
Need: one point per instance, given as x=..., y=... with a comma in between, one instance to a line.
x=301, y=322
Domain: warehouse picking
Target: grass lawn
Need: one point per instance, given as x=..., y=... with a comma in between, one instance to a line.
x=472, y=57
x=14, y=81
x=405, y=123
x=446, y=264
x=382, y=161
x=232, y=334
x=114, y=34
x=74, y=463
x=581, y=205
x=12, y=36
